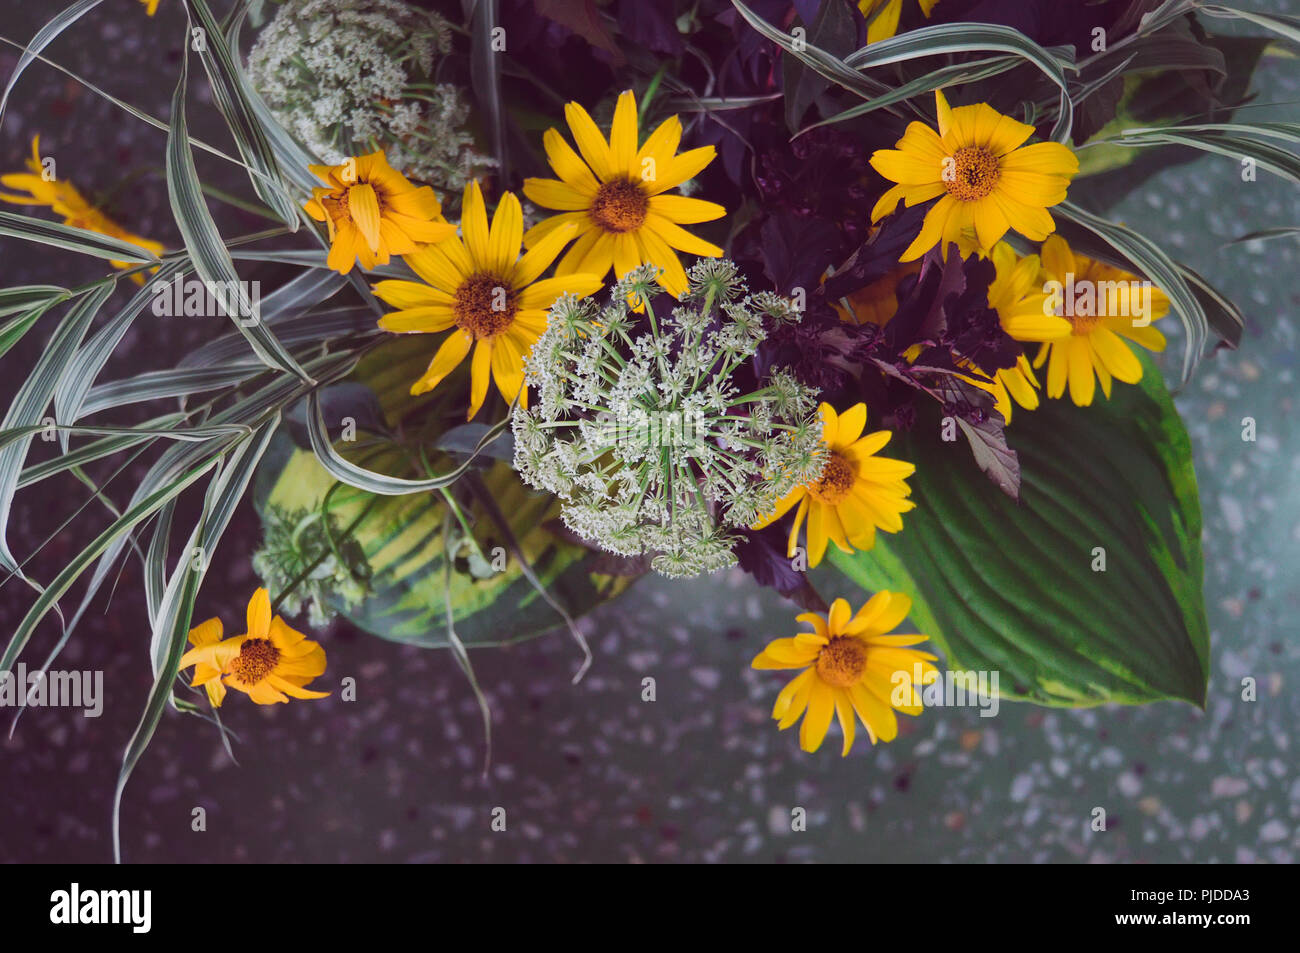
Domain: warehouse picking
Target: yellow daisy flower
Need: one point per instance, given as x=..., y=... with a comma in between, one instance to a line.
x=857, y=492
x=487, y=293
x=269, y=662
x=877, y=302
x=988, y=180
x=373, y=212
x=1107, y=305
x=886, y=14
x=850, y=667
x=207, y=674
x=614, y=194
x=1017, y=296
x=62, y=198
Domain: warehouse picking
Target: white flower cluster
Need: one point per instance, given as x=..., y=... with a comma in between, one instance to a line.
x=347, y=77
x=640, y=428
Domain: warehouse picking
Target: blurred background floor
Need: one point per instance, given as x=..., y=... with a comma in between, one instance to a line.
x=592, y=773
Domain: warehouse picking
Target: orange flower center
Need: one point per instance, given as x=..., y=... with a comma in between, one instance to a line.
x=836, y=481
x=972, y=174
x=257, y=658
x=619, y=206
x=842, y=661
x=485, y=305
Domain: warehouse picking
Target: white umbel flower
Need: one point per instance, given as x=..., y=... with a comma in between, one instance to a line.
x=642, y=427
x=349, y=77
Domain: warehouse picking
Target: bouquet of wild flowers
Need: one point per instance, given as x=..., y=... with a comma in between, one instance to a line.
x=465, y=419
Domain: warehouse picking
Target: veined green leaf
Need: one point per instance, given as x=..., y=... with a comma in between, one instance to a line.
x=1089, y=590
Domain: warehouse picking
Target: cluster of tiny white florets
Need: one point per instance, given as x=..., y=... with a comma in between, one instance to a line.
x=348, y=77
x=638, y=425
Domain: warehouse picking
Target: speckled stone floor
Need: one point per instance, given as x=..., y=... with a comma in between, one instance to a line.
x=592, y=773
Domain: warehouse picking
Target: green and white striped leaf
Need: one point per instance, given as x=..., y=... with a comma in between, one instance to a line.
x=207, y=251
x=33, y=398
x=28, y=297
x=72, y=239
x=248, y=133
x=945, y=38
x=43, y=38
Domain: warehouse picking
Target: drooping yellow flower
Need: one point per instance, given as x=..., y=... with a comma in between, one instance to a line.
x=62, y=198
x=486, y=293
x=614, y=194
x=269, y=662
x=1102, y=305
x=151, y=6
x=857, y=493
x=988, y=180
x=885, y=23
x=1017, y=295
x=850, y=667
x=207, y=674
x=374, y=212
x=877, y=302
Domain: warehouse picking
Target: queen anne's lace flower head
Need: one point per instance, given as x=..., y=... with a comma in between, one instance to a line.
x=340, y=75
x=640, y=428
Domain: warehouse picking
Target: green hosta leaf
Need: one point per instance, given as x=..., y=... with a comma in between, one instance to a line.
x=1011, y=588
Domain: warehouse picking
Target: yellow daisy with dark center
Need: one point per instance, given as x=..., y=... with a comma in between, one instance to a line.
x=986, y=180
x=851, y=669
x=373, y=212
x=1102, y=305
x=614, y=196
x=269, y=663
x=856, y=493
x=62, y=198
x=1018, y=297
x=489, y=296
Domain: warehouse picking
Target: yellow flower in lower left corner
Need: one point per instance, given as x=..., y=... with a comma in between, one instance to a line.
x=850, y=667
x=268, y=663
x=373, y=212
